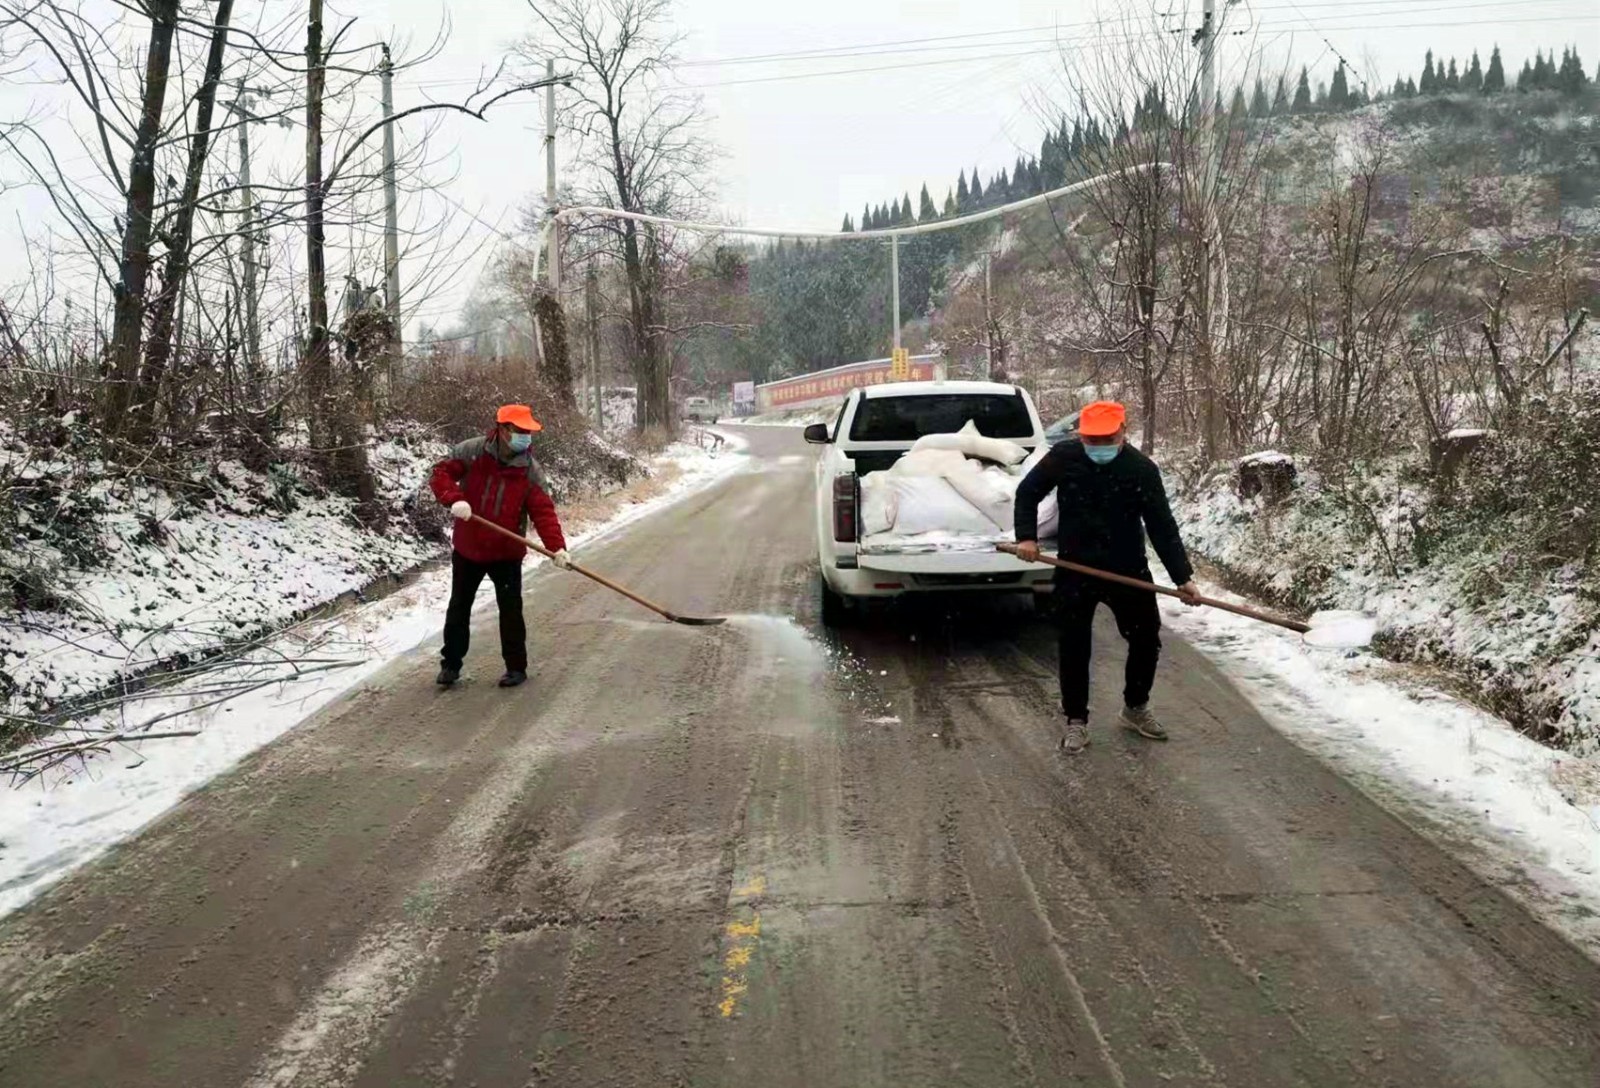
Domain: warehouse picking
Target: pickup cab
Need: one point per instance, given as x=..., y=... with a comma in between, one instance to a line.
x=875, y=427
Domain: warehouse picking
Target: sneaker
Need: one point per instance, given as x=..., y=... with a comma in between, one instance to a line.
x=1141, y=721
x=514, y=678
x=448, y=676
x=1076, y=738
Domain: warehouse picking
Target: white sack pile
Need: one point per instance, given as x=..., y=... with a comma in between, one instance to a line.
x=952, y=483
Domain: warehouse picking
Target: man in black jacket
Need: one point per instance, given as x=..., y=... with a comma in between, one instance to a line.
x=1109, y=494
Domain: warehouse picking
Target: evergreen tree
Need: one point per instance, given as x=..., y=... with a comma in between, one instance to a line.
x=1052, y=164
x=1572, y=78
x=950, y=209
x=1019, y=178
x=1302, y=94
x=1319, y=100
x=1411, y=88
x=1000, y=189
x=1526, y=79
x=1075, y=148
x=926, y=212
x=906, y=214
x=1494, y=80
x=866, y=217
x=1544, y=71
x=1452, y=80
x=1472, y=82
x=963, y=194
x=1339, y=95
x=977, y=189
x=1240, y=109
x=1280, y=100
x=1260, y=104
x=1400, y=88
x=1430, y=79
x=849, y=227
x=885, y=221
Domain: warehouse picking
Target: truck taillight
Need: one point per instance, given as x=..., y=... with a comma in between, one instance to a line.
x=846, y=498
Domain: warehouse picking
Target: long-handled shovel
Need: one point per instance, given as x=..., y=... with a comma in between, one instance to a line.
x=1237, y=609
x=689, y=621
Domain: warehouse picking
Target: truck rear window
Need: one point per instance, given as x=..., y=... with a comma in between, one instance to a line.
x=906, y=419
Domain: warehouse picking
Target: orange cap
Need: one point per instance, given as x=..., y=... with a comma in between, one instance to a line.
x=518, y=415
x=1102, y=419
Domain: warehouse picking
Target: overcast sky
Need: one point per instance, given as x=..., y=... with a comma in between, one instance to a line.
x=804, y=151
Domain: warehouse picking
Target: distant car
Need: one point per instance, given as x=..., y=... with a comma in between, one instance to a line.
x=699, y=410
x=1062, y=429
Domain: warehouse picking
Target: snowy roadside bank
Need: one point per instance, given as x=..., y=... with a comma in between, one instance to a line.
x=51, y=827
x=1524, y=816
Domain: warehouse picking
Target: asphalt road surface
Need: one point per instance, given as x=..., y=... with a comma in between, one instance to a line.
x=760, y=855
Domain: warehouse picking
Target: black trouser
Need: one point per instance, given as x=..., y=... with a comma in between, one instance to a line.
x=1077, y=597
x=465, y=578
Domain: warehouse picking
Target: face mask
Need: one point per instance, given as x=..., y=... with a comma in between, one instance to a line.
x=1102, y=455
x=519, y=442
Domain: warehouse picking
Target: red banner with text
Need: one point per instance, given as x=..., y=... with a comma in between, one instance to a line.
x=806, y=389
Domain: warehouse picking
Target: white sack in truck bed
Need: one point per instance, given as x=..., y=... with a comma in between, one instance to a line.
x=936, y=488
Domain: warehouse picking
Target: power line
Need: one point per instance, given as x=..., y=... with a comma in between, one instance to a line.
x=1028, y=36
x=872, y=69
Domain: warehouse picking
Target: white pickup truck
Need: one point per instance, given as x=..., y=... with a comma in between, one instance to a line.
x=875, y=427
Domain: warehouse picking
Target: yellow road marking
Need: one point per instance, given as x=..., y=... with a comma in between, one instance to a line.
x=752, y=928
x=741, y=939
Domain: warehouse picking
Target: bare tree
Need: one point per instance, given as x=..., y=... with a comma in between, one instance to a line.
x=175, y=272
x=640, y=150
x=134, y=273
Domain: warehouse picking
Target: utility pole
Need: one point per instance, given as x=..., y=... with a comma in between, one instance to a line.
x=894, y=284
x=591, y=335
x=988, y=317
x=247, y=246
x=391, y=222
x=1206, y=39
x=554, y=259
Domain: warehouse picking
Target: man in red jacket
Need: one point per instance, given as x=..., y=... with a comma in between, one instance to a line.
x=496, y=478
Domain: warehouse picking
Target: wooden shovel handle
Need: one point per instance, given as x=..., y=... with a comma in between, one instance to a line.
x=591, y=575
x=1135, y=583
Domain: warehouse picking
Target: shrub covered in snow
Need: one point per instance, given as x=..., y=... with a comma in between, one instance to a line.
x=1492, y=571
x=110, y=570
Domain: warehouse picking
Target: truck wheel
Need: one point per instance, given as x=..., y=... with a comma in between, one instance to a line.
x=836, y=611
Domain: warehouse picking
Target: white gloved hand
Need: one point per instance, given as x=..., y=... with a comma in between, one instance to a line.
x=461, y=510
x=562, y=559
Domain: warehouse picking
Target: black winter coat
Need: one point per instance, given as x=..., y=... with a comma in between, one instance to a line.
x=1105, y=510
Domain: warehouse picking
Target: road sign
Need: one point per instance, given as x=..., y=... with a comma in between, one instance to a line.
x=744, y=392
x=900, y=365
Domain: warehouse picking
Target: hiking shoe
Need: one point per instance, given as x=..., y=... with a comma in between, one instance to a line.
x=448, y=676
x=514, y=678
x=1076, y=738
x=1141, y=721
